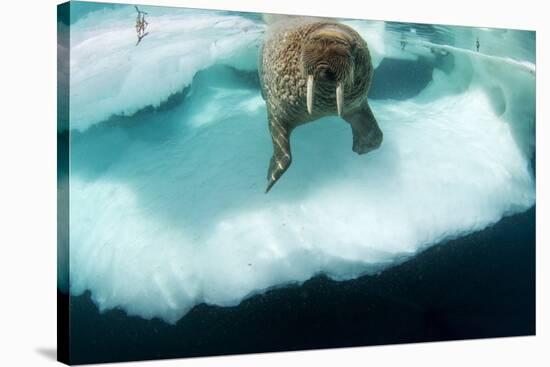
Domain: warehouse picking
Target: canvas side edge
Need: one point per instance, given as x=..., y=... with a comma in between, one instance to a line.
x=63, y=75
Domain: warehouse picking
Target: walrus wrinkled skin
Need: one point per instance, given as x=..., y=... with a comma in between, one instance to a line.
x=312, y=68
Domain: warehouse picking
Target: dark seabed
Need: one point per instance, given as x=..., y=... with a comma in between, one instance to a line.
x=478, y=286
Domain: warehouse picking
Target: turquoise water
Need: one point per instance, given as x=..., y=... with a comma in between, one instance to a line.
x=170, y=149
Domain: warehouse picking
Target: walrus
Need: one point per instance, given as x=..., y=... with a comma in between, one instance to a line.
x=310, y=68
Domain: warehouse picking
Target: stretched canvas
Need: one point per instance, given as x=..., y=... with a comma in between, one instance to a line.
x=233, y=182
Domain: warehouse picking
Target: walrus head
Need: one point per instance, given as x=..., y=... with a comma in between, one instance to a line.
x=328, y=57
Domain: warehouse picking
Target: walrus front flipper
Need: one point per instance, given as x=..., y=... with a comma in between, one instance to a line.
x=281, y=159
x=367, y=135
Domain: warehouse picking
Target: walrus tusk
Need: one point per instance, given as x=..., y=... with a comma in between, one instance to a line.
x=339, y=98
x=309, y=94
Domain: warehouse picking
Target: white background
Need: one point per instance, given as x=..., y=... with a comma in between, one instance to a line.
x=28, y=183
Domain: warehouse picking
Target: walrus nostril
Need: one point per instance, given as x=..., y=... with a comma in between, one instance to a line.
x=324, y=72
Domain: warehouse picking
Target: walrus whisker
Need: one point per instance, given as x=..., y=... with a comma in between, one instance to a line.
x=309, y=94
x=339, y=98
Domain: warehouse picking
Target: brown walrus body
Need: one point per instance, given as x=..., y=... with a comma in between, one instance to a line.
x=310, y=68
